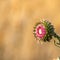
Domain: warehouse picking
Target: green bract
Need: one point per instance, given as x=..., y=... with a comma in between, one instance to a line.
x=50, y=30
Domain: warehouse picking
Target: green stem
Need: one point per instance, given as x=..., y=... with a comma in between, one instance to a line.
x=58, y=37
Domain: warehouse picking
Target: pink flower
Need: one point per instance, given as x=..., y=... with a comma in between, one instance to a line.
x=40, y=31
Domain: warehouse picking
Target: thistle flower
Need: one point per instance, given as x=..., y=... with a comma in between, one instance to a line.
x=40, y=31
x=45, y=31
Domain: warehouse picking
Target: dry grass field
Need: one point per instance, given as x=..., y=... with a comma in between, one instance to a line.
x=17, y=19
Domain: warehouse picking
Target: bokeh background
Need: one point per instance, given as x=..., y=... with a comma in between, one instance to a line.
x=17, y=19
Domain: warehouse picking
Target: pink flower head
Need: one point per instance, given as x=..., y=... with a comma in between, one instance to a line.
x=40, y=31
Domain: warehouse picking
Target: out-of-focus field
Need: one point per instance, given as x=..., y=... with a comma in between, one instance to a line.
x=17, y=19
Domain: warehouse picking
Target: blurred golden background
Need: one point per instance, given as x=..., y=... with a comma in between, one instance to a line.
x=17, y=19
